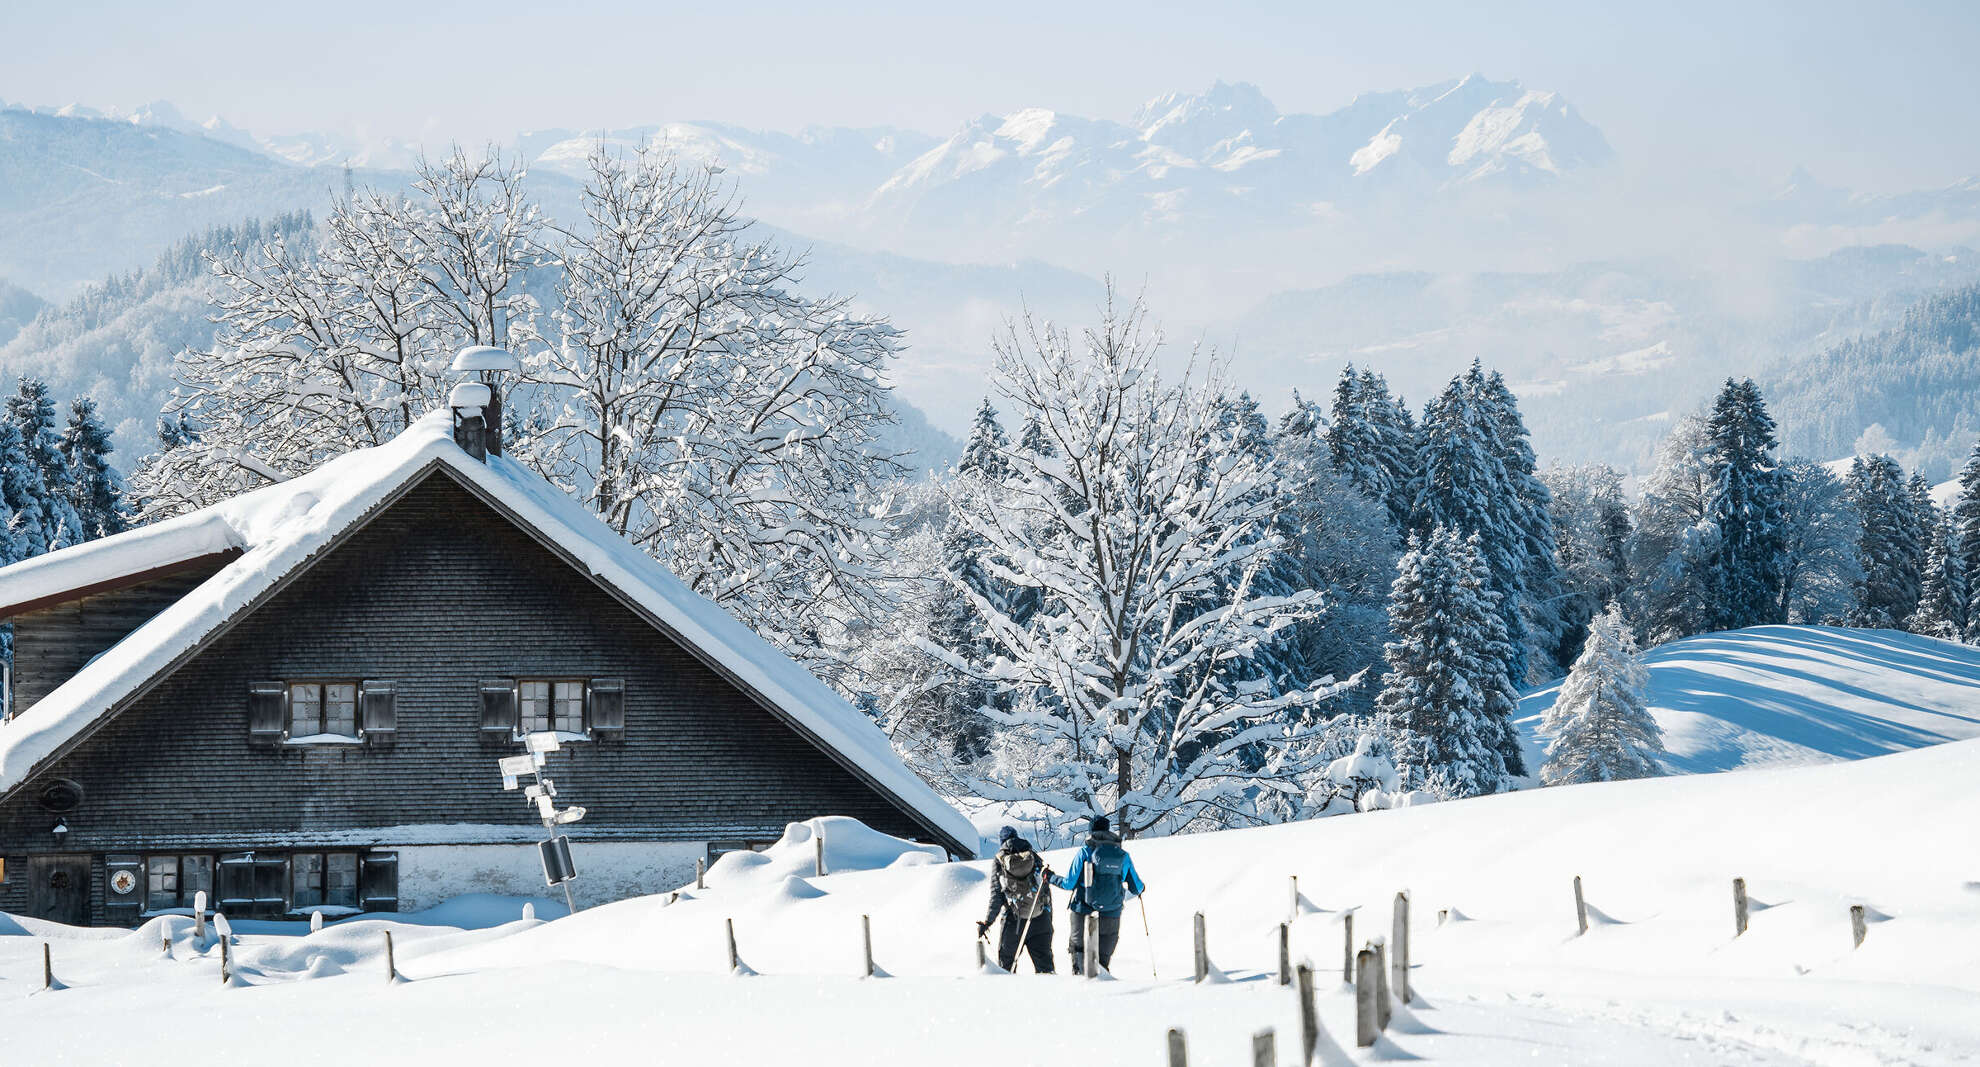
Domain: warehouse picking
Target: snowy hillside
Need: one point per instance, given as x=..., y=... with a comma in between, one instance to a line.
x=1786, y=695
x=1501, y=977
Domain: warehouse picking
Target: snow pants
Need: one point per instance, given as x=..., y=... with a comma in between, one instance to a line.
x=1037, y=941
x=1110, y=935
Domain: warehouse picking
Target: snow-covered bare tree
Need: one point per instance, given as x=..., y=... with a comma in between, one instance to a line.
x=1674, y=542
x=1818, y=581
x=708, y=411
x=1142, y=527
x=1591, y=537
x=1600, y=727
x=341, y=342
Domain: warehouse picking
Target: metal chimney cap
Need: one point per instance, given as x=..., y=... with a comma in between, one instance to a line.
x=470, y=395
x=485, y=358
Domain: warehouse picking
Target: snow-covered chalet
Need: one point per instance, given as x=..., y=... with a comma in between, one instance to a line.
x=297, y=700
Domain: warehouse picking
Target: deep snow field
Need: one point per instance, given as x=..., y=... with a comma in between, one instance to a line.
x=1774, y=696
x=1659, y=977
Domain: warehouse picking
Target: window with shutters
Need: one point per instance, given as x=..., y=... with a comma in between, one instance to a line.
x=378, y=881
x=325, y=880
x=551, y=704
x=319, y=710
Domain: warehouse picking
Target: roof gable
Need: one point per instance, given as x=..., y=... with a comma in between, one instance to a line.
x=283, y=528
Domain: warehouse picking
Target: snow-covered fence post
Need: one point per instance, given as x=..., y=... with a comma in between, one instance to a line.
x=1202, y=950
x=818, y=850
x=1347, y=948
x=1309, y=1017
x=1264, y=1049
x=165, y=943
x=1580, y=909
x=316, y=921
x=47, y=967
x=866, y=942
x=199, y=917
x=982, y=957
x=226, y=963
x=1856, y=927
x=529, y=911
x=1399, y=937
x=1292, y=910
x=391, y=960
x=1092, y=945
x=1285, y=954
x=1739, y=906
x=1178, y=1050
x=1443, y=916
x=735, y=961
x=701, y=873
x=1367, y=1022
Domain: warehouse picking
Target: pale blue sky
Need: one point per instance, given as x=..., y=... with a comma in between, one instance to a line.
x=1876, y=96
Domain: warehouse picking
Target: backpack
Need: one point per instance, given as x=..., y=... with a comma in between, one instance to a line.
x=1016, y=873
x=1105, y=888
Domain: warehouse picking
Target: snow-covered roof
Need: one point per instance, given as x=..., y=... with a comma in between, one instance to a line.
x=282, y=527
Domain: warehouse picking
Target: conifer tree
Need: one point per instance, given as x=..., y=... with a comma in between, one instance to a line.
x=32, y=413
x=1888, y=544
x=1746, y=508
x=1600, y=727
x=1942, y=599
x=1373, y=440
x=24, y=495
x=1445, y=700
x=96, y=491
x=1530, y=518
x=982, y=455
x=1965, y=537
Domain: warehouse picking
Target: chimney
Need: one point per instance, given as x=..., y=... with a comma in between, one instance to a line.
x=477, y=405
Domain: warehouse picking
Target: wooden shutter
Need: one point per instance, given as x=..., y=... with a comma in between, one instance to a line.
x=267, y=712
x=378, y=881
x=498, y=707
x=378, y=702
x=608, y=708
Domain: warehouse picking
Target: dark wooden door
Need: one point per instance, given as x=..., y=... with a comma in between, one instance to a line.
x=58, y=888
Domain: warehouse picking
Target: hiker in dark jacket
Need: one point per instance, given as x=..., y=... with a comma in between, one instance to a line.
x=1019, y=893
x=1101, y=879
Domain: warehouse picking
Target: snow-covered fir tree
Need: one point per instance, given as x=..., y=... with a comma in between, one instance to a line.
x=1943, y=595
x=1964, y=533
x=1818, y=581
x=1674, y=541
x=22, y=494
x=1591, y=535
x=1600, y=729
x=96, y=490
x=1373, y=440
x=32, y=412
x=1446, y=702
x=1890, y=544
x=1129, y=681
x=1745, y=508
x=1542, y=593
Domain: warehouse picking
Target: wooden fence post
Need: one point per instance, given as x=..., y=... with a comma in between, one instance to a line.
x=866, y=941
x=1309, y=1017
x=1178, y=1051
x=1739, y=906
x=818, y=843
x=1856, y=927
x=1092, y=943
x=734, y=960
x=226, y=964
x=1367, y=1020
x=391, y=960
x=1202, y=951
x=701, y=873
x=1382, y=992
x=1292, y=912
x=1443, y=916
x=1285, y=954
x=1264, y=1049
x=1347, y=948
x=1580, y=909
x=1399, y=938
x=316, y=921
x=982, y=957
x=47, y=968
x=199, y=916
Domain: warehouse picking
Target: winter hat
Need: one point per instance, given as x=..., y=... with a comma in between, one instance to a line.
x=1101, y=825
x=1006, y=834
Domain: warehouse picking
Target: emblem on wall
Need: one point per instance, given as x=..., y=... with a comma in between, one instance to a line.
x=122, y=882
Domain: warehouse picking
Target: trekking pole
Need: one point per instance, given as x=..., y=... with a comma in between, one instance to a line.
x=1024, y=933
x=1141, y=899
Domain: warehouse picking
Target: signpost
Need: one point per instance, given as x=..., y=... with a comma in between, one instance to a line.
x=555, y=850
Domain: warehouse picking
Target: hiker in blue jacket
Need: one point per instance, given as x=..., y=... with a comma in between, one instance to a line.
x=1101, y=879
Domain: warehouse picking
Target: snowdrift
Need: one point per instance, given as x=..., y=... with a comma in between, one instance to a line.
x=1791, y=695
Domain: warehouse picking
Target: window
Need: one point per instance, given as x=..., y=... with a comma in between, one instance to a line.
x=320, y=879
x=551, y=705
x=177, y=881
x=323, y=708
x=378, y=881
x=253, y=884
